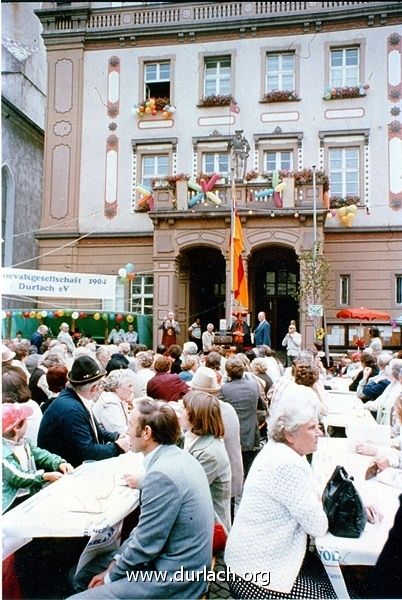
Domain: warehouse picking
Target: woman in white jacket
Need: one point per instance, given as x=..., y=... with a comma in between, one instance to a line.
x=113, y=405
x=266, y=549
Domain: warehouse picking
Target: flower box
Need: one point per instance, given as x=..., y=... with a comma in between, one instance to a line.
x=280, y=96
x=339, y=93
x=215, y=100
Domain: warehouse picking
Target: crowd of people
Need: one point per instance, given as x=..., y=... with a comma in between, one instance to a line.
x=225, y=437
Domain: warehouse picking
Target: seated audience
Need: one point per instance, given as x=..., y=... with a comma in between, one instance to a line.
x=112, y=407
x=384, y=404
x=203, y=438
x=174, y=351
x=68, y=427
x=175, y=527
x=189, y=366
x=25, y=467
x=370, y=387
x=165, y=385
x=143, y=372
x=117, y=361
x=367, y=361
x=14, y=388
x=56, y=378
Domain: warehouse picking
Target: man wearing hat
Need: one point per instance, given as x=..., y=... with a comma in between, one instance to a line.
x=68, y=426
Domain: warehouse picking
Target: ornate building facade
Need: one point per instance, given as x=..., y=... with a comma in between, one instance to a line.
x=144, y=105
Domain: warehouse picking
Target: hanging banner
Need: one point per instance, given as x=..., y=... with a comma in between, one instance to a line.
x=21, y=282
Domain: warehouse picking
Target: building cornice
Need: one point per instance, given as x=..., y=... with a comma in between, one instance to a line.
x=10, y=110
x=192, y=22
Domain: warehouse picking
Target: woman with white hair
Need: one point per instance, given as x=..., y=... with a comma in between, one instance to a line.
x=280, y=507
x=112, y=407
x=384, y=404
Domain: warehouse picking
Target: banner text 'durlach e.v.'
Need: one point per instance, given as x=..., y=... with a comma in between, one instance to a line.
x=21, y=282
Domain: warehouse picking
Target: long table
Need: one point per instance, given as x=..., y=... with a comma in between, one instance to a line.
x=84, y=503
x=337, y=551
x=345, y=408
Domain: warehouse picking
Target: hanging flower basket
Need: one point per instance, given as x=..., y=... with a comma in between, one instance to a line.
x=339, y=201
x=354, y=91
x=215, y=100
x=280, y=96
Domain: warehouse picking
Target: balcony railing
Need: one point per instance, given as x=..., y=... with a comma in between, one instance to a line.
x=192, y=15
x=179, y=199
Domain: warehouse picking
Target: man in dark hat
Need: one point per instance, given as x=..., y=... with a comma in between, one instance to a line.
x=69, y=426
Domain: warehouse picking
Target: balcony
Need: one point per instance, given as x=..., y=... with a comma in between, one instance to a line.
x=179, y=200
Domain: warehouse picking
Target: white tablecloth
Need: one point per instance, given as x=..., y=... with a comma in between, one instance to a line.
x=89, y=500
x=336, y=551
x=345, y=408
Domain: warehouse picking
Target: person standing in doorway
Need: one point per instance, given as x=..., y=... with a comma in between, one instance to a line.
x=262, y=333
x=170, y=329
x=292, y=341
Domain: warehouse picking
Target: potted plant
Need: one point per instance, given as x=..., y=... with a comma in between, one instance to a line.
x=280, y=96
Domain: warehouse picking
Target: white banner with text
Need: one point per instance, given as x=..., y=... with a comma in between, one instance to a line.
x=26, y=282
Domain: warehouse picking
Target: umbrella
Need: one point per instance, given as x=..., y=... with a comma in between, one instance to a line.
x=363, y=314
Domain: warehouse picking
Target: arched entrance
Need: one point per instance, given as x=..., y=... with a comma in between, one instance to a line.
x=205, y=268
x=274, y=273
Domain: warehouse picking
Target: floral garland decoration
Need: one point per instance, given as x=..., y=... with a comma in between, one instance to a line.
x=153, y=106
x=354, y=91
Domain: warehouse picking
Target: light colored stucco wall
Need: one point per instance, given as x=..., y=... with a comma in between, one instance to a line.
x=247, y=91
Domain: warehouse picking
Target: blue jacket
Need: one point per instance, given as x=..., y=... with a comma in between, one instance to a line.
x=66, y=430
x=262, y=334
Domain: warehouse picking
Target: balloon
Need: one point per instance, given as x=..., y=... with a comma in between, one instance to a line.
x=353, y=209
x=172, y=109
x=195, y=199
x=82, y=315
x=26, y=314
x=342, y=211
x=8, y=313
x=152, y=101
x=96, y=316
x=122, y=272
x=214, y=198
x=165, y=114
x=130, y=318
x=203, y=185
x=112, y=316
x=278, y=200
x=129, y=267
x=193, y=185
x=61, y=313
x=275, y=179
x=104, y=316
x=263, y=193
x=119, y=318
x=75, y=314
x=327, y=95
x=280, y=187
x=44, y=314
x=144, y=201
x=38, y=314
x=349, y=219
x=3, y=314
x=123, y=279
x=131, y=276
x=19, y=313
x=211, y=183
x=32, y=314
x=148, y=110
x=143, y=189
x=50, y=314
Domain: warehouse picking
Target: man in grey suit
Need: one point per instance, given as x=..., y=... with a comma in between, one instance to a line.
x=168, y=553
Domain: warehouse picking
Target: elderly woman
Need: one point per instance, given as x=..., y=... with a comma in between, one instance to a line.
x=204, y=431
x=189, y=366
x=143, y=372
x=280, y=507
x=14, y=388
x=385, y=403
x=112, y=407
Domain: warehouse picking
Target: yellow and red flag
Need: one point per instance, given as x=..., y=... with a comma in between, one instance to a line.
x=239, y=279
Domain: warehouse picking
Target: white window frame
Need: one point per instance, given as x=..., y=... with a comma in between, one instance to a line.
x=280, y=72
x=116, y=303
x=160, y=79
x=218, y=78
x=344, y=170
x=344, y=69
x=278, y=160
x=157, y=172
x=216, y=157
x=137, y=301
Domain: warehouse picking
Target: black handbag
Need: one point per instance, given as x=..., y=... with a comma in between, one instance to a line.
x=343, y=505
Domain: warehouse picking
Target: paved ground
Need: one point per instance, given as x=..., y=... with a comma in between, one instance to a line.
x=219, y=589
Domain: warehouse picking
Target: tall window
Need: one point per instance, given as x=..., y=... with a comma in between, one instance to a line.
x=116, y=303
x=157, y=80
x=398, y=289
x=280, y=283
x=280, y=72
x=142, y=295
x=344, y=67
x=278, y=160
x=344, y=289
x=344, y=171
x=216, y=162
x=217, y=76
x=154, y=166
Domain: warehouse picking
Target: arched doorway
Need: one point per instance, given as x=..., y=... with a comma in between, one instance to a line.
x=205, y=268
x=274, y=273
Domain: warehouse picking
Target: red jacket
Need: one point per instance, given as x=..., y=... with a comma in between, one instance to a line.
x=167, y=387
